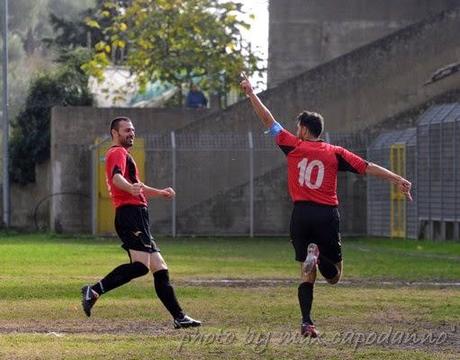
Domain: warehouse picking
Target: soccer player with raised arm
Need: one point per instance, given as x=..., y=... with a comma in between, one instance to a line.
x=312, y=181
x=129, y=196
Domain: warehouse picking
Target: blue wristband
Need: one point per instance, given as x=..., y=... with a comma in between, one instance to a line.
x=275, y=129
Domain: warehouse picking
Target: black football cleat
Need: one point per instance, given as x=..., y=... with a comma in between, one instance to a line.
x=186, y=322
x=88, y=300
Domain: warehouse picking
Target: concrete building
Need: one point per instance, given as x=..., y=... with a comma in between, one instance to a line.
x=306, y=33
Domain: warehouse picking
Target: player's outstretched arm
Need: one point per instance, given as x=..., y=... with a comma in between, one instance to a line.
x=378, y=171
x=151, y=192
x=138, y=188
x=261, y=110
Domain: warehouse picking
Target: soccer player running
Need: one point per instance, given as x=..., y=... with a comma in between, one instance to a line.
x=129, y=196
x=312, y=180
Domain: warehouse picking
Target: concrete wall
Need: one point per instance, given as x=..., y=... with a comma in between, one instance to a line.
x=307, y=33
x=203, y=174
x=30, y=203
x=73, y=130
x=227, y=212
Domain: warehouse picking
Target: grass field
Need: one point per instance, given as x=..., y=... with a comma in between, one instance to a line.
x=390, y=305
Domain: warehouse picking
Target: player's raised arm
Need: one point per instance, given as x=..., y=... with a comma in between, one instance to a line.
x=403, y=185
x=261, y=110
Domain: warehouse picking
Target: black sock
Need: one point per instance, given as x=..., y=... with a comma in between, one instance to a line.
x=305, y=294
x=119, y=276
x=166, y=294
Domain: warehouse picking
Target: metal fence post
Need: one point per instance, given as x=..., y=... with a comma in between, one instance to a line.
x=441, y=170
x=173, y=156
x=251, y=184
x=6, y=123
x=368, y=198
x=430, y=217
x=417, y=185
x=455, y=170
x=94, y=170
x=94, y=180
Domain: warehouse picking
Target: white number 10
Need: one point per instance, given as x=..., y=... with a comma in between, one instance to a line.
x=305, y=170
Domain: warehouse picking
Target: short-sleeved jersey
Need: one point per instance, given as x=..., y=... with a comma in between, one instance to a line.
x=119, y=161
x=313, y=168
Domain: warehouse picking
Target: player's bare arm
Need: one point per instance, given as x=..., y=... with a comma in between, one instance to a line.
x=261, y=110
x=403, y=185
x=151, y=192
x=120, y=182
x=138, y=188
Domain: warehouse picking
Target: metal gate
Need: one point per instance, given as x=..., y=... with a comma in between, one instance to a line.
x=105, y=209
x=398, y=200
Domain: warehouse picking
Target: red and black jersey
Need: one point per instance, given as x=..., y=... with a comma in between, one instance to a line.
x=313, y=167
x=119, y=161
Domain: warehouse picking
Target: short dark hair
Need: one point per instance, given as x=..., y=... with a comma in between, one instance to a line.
x=115, y=123
x=313, y=121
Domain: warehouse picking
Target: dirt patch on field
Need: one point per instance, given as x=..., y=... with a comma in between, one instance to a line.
x=93, y=326
x=390, y=334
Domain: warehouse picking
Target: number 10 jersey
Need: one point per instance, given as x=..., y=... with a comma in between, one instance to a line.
x=313, y=167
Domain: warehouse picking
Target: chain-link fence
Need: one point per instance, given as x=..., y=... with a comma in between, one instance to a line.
x=351, y=188
x=234, y=184
x=438, y=173
x=226, y=184
x=388, y=213
x=428, y=157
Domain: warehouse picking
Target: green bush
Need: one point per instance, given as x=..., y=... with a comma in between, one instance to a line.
x=30, y=140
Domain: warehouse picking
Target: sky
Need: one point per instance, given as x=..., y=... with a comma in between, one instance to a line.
x=258, y=34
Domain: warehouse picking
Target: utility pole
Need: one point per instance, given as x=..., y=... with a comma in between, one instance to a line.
x=6, y=125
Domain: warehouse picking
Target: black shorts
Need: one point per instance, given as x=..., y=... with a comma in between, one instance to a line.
x=319, y=224
x=132, y=226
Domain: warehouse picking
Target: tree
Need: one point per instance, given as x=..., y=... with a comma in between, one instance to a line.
x=70, y=32
x=175, y=41
x=30, y=141
x=59, y=82
x=28, y=24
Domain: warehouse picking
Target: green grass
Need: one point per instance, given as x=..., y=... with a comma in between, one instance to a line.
x=229, y=258
x=40, y=277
